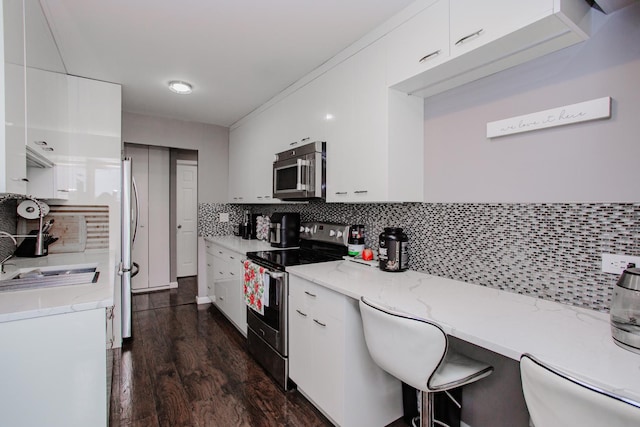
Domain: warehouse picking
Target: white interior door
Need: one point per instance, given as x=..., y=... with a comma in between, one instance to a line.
x=187, y=218
x=159, y=226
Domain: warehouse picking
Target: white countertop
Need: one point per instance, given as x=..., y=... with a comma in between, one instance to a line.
x=29, y=303
x=240, y=245
x=575, y=340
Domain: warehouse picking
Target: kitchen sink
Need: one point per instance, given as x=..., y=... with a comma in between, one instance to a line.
x=44, y=277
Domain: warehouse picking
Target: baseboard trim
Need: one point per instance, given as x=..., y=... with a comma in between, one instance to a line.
x=203, y=300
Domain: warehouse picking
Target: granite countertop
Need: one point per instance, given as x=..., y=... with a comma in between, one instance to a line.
x=240, y=245
x=30, y=303
x=575, y=340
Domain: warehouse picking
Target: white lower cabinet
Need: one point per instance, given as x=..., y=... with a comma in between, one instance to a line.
x=225, y=281
x=329, y=360
x=54, y=371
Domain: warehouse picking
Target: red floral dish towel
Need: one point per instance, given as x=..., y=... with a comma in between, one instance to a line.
x=256, y=287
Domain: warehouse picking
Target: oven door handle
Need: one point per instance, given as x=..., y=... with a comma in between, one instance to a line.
x=275, y=275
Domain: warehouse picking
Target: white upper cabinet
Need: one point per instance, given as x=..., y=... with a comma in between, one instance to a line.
x=375, y=145
x=475, y=23
x=251, y=151
x=484, y=38
x=419, y=44
x=47, y=112
x=13, y=178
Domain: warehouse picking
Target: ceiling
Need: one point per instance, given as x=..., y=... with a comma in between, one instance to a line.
x=236, y=53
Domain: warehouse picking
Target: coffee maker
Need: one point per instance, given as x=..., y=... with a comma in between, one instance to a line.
x=284, y=231
x=249, y=225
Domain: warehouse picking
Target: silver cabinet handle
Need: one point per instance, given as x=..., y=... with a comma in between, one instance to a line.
x=340, y=193
x=470, y=36
x=361, y=191
x=231, y=273
x=320, y=323
x=301, y=313
x=220, y=252
x=20, y=179
x=221, y=298
x=430, y=55
x=294, y=143
x=305, y=139
x=310, y=294
x=231, y=257
x=208, y=265
x=259, y=197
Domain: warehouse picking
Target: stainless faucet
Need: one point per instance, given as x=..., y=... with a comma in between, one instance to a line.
x=39, y=249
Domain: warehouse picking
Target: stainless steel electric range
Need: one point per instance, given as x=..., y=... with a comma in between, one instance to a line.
x=267, y=334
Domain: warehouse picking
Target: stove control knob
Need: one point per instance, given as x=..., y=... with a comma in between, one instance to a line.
x=302, y=229
x=307, y=230
x=332, y=233
x=339, y=235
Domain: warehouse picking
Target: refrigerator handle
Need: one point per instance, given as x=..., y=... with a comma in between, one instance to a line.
x=136, y=271
x=137, y=207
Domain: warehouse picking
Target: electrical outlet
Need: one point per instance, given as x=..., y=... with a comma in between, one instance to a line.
x=616, y=263
x=224, y=217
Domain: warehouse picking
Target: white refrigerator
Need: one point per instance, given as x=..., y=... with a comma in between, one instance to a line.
x=128, y=268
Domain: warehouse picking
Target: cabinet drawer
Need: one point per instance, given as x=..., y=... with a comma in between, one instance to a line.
x=317, y=301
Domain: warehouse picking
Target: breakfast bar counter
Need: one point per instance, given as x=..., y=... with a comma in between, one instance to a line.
x=575, y=340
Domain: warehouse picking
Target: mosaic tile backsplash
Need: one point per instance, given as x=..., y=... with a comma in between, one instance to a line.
x=550, y=251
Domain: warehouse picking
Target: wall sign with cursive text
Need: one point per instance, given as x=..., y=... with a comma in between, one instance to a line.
x=574, y=113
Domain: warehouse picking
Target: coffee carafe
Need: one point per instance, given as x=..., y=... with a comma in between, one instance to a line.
x=625, y=310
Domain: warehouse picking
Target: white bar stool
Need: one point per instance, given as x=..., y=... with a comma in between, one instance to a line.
x=555, y=399
x=416, y=352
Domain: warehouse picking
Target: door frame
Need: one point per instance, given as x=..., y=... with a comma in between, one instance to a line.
x=195, y=260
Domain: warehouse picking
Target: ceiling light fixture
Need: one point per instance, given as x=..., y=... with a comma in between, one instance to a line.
x=180, y=87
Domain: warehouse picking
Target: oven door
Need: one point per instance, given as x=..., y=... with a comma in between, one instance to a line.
x=272, y=325
x=294, y=178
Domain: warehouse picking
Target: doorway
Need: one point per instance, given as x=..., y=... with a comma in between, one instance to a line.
x=166, y=181
x=186, y=218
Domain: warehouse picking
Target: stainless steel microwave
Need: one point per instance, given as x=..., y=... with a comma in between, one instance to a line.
x=299, y=173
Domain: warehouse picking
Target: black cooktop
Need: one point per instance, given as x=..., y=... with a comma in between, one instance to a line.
x=282, y=258
x=308, y=253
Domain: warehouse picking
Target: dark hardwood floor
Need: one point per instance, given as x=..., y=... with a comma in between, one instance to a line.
x=187, y=366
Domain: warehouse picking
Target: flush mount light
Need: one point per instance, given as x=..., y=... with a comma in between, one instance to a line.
x=180, y=87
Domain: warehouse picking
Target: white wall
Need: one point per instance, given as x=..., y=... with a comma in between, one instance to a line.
x=587, y=162
x=211, y=141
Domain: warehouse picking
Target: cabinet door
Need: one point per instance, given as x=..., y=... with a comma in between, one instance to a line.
x=240, y=175
x=14, y=166
x=327, y=365
x=222, y=297
x=350, y=171
x=475, y=23
x=237, y=306
x=211, y=288
x=418, y=44
x=300, y=351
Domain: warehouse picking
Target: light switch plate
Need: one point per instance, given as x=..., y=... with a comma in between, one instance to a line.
x=224, y=217
x=617, y=263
